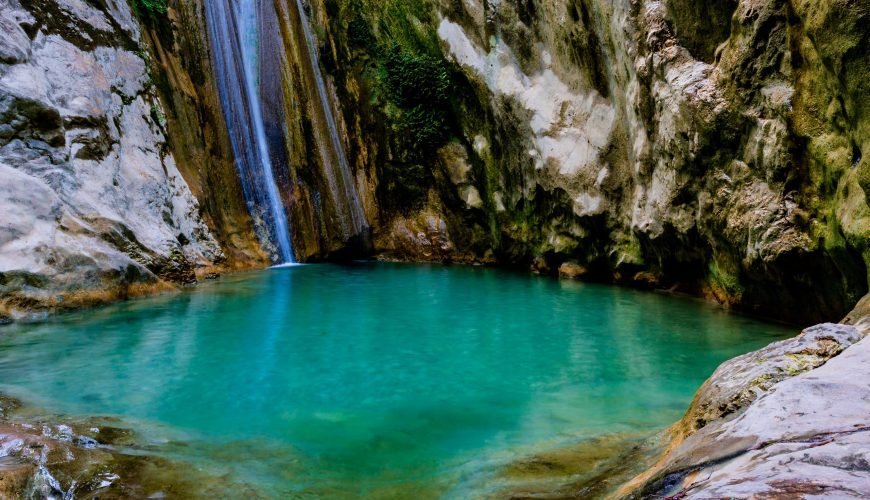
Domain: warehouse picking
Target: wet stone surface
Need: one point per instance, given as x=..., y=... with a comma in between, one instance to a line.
x=92, y=458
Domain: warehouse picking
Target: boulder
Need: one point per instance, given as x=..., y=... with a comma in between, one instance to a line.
x=790, y=420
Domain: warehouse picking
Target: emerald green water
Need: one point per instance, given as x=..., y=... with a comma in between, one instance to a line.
x=375, y=378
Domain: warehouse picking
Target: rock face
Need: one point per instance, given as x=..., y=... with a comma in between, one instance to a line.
x=790, y=420
x=197, y=136
x=715, y=147
x=92, y=204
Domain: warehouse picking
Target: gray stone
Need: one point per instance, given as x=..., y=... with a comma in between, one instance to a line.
x=810, y=435
x=94, y=207
x=789, y=421
x=738, y=382
x=14, y=44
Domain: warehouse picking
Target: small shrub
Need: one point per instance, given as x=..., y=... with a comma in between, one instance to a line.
x=424, y=128
x=416, y=79
x=420, y=87
x=152, y=6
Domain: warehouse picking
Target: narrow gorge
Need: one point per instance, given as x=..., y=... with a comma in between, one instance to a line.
x=434, y=248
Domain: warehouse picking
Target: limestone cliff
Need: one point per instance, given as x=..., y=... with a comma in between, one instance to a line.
x=94, y=205
x=714, y=148
x=710, y=147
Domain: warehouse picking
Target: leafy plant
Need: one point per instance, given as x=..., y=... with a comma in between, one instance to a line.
x=419, y=86
x=416, y=79
x=152, y=6
x=425, y=128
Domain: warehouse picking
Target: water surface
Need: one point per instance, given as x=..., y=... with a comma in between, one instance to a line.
x=377, y=379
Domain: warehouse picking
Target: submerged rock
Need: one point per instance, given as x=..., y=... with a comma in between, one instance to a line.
x=572, y=270
x=590, y=469
x=92, y=458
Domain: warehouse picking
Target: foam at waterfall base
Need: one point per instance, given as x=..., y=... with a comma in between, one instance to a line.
x=287, y=265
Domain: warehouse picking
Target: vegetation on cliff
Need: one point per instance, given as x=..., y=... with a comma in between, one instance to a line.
x=662, y=146
x=152, y=6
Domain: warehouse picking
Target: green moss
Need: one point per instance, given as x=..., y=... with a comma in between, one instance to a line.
x=864, y=179
x=721, y=278
x=424, y=128
x=413, y=79
x=801, y=362
x=360, y=36
x=763, y=381
x=628, y=250
x=152, y=6
x=158, y=116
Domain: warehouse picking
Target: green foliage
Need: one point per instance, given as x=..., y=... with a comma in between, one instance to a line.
x=360, y=36
x=420, y=86
x=425, y=128
x=152, y=6
x=415, y=80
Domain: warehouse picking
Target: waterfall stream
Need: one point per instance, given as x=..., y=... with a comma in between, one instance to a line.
x=233, y=29
x=343, y=183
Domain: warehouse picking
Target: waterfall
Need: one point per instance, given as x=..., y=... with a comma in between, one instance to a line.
x=233, y=27
x=336, y=168
x=356, y=216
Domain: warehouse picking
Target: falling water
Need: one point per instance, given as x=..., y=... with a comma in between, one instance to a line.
x=344, y=183
x=233, y=29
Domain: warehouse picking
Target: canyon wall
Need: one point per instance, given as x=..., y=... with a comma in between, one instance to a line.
x=714, y=148
x=101, y=196
x=708, y=147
